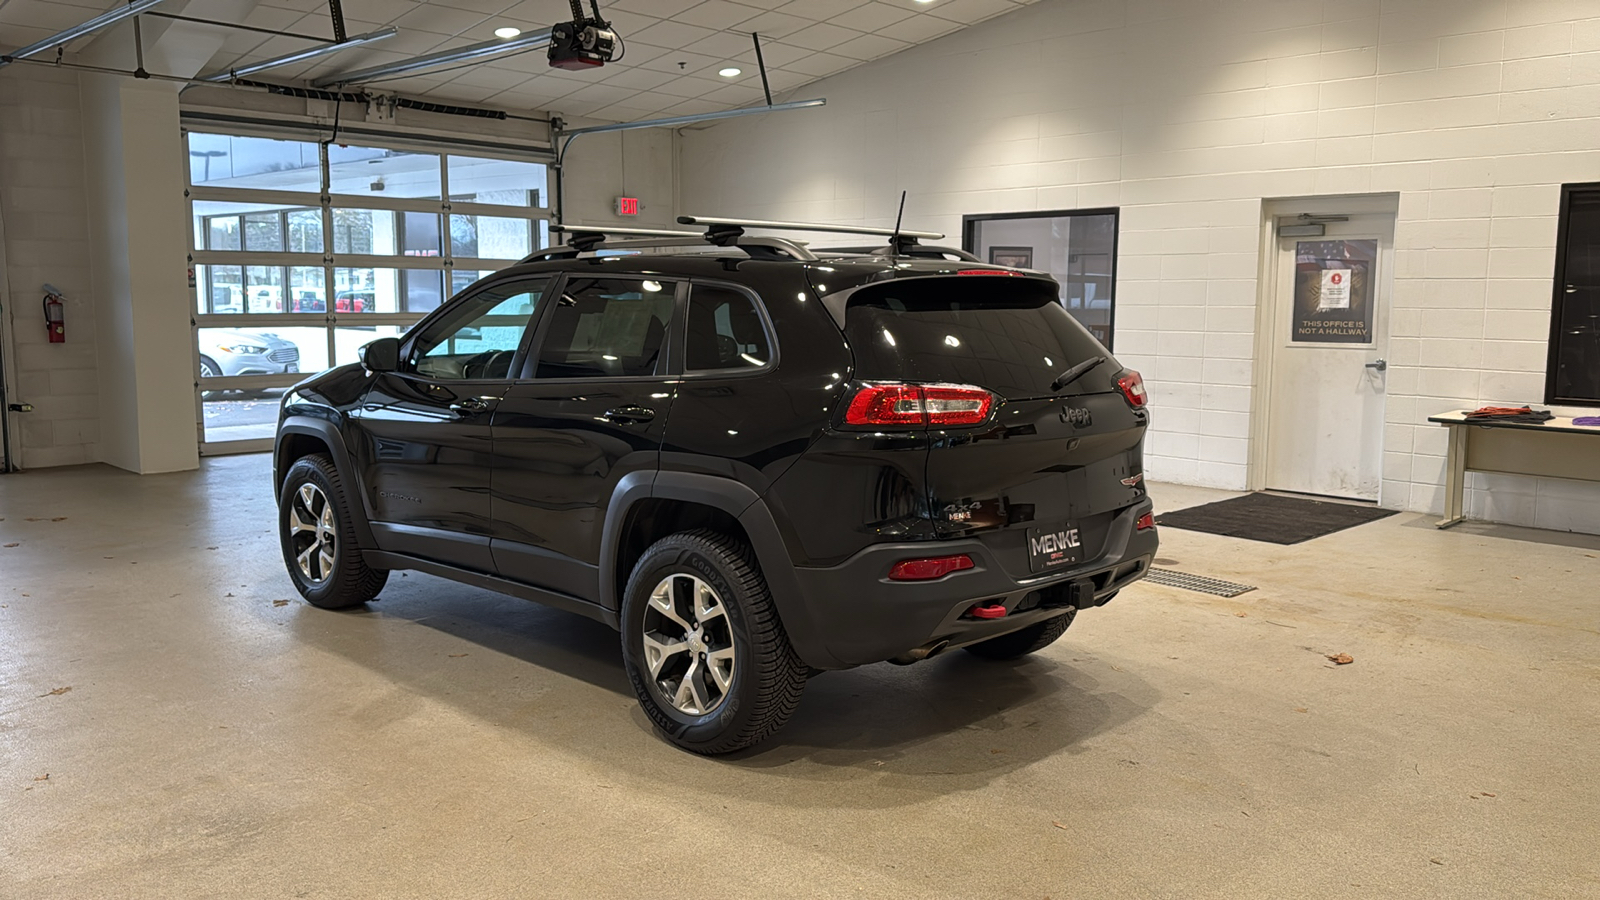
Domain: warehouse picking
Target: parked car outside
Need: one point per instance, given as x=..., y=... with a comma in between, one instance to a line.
x=226, y=352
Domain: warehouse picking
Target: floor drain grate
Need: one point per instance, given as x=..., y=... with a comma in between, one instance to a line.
x=1198, y=583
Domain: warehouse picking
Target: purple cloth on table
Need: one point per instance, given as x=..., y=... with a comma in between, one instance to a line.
x=1587, y=420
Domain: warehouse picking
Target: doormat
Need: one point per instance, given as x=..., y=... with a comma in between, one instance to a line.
x=1272, y=519
x=1198, y=583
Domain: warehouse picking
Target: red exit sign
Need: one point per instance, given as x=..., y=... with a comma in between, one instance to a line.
x=627, y=206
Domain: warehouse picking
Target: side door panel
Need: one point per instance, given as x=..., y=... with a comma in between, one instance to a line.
x=429, y=457
x=427, y=445
x=563, y=442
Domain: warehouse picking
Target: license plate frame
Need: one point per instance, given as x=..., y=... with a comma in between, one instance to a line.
x=1054, y=547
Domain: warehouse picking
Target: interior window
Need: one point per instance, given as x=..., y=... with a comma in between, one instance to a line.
x=479, y=338
x=607, y=328
x=725, y=330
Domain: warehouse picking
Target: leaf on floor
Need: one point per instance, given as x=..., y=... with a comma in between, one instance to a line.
x=1242, y=615
x=59, y=519
x=1301, y=709
x=280, y=603
x=44, y=777
x=1342, y=659
x=457, y=655
x=14, y=545
x=57, y=692
x=1059, y=825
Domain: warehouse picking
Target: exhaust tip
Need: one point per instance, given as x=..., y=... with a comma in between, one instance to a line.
x=926, y=651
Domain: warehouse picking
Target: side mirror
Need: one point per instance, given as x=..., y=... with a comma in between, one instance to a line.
x=382, y=355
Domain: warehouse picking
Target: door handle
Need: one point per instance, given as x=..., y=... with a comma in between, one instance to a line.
x=470, y=405
x=1381, y=365
x=628, y=415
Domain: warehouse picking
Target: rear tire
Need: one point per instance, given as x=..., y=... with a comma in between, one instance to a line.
x=318, y=537
x=704, y=647
x=1024, y=641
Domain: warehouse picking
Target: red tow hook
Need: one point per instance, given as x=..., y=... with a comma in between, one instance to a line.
x=988, y=611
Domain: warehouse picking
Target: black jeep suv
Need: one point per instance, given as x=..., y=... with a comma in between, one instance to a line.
x=757, y=461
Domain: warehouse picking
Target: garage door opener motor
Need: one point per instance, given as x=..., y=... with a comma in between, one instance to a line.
x=587, y=42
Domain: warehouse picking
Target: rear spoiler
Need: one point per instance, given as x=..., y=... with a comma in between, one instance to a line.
x=838, y=301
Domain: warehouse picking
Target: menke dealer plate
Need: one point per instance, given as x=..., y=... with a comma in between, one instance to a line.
x=1052, y=548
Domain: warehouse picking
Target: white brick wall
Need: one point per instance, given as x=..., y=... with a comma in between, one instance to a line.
x=47, y=240
x=1187, y=115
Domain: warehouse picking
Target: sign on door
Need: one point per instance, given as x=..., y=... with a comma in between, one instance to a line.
x=1333, y=300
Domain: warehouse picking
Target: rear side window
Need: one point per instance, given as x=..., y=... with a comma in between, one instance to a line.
x=725, y=331
x=1010, y=335
x=606, y=328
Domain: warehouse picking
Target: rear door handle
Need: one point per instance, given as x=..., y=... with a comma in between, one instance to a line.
x=629, y=415
x=470, y=405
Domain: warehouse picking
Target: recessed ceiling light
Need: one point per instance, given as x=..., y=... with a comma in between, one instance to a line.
x=507, y=32
x=731, y=72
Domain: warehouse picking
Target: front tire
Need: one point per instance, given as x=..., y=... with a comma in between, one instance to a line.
x=703, y=645
x=1024, y=641
x=319, y=538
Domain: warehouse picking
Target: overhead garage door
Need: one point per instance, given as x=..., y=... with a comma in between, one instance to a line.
x=302, y=252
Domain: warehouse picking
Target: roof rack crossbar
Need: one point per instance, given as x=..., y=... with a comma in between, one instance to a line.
x=725, y=224
x=590, y=240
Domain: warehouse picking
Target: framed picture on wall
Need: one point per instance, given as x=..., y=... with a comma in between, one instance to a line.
x=1011, y=257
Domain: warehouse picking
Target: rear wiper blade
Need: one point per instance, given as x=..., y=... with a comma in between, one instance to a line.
x=1076, y=372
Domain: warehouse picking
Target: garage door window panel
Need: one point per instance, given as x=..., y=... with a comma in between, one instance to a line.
x=606, y=328
x=252, y=163
x=378, y=171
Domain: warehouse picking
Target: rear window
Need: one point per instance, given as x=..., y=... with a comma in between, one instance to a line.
x=1010, y=335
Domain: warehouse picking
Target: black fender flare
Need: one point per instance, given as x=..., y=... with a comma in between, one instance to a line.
x=328, y=434
x=744, y=505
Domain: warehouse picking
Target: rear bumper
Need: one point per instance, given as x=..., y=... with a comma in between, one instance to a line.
x=863, y=617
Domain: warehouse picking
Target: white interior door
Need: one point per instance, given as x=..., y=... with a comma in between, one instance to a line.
x=1328, y=367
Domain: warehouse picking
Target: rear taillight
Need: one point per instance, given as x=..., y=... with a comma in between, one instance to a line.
x=928, y=569
x=1145, y=522
x=1132, y=385
x=919, y=404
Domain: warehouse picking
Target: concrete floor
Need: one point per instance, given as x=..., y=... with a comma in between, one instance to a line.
x=169, y=727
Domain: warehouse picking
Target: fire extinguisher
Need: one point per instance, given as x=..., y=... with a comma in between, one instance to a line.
x=55, y=315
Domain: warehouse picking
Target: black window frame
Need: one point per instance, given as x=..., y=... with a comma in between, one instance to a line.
x=1558, y=298
x=969, y=243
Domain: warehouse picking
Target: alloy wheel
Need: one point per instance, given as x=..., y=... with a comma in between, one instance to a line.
x=688, y=644
x=313, y=533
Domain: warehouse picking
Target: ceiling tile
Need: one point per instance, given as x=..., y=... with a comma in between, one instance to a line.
x=871, y=16
x=820, y=64
x=774, y=24
x=919, y=29
x=968, y=11
x=870, y=46
x=821, y=36
x=723, y=45
x=718, y=14
x=819, y=10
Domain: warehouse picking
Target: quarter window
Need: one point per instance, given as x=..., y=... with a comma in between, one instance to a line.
x=725, y=331
x=607, y=328
x=479, y=338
